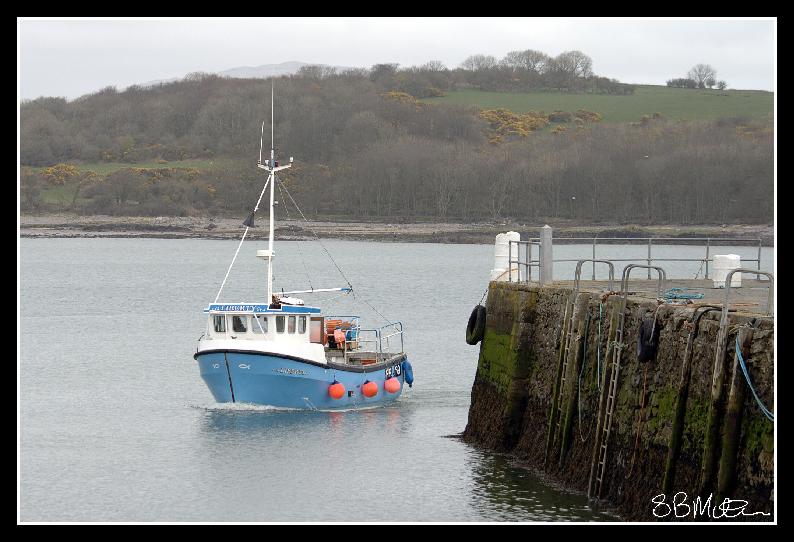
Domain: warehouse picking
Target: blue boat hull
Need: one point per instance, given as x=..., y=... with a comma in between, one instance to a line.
x=266, y=379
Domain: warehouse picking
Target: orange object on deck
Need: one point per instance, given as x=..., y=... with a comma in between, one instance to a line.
x=331, y=325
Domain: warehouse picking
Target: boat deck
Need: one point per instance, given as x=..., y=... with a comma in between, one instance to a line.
x=359, y=358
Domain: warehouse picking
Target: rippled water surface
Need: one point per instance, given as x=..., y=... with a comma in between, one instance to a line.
x=117, y=425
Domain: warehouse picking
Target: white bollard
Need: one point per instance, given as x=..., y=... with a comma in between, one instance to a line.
x=502, y=254
x=723, y=263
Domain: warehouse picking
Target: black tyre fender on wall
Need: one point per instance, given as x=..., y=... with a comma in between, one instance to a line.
x=475, y=329
x=647, y=339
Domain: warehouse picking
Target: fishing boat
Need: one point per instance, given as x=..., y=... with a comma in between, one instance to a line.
x=283, y=353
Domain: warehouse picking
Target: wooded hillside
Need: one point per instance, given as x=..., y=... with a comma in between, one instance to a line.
x=366, y=149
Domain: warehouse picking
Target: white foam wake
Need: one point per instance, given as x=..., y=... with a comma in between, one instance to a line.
x=241, y=407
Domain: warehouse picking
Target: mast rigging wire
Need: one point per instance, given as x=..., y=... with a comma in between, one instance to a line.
x=241, y=241
x=300, y=252
x=317, y=237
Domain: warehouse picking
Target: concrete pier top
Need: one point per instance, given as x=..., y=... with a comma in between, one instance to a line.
x=750, y=298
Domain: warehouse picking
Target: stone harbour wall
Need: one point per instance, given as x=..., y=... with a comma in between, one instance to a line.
x=726, y=443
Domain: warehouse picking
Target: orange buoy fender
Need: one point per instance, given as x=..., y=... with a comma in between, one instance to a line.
x=336, y=390
x=392, y=385
x=369, y=389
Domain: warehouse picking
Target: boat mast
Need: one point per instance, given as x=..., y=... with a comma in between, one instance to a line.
x=270, y=166
x=272, y=192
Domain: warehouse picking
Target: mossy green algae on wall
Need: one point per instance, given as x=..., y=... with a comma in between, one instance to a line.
x=506, y=353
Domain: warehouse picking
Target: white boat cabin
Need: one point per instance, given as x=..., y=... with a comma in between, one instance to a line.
x=338, y=339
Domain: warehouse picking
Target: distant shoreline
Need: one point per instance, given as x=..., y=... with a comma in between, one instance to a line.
x=64, y=225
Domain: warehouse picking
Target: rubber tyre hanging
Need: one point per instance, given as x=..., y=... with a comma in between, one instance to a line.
x=647, y=340
x=475, y=329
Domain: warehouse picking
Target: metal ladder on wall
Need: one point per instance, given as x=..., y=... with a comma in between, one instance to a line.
x=568, y=340
x=602, y=442
x=555, y=412
x=561, y=387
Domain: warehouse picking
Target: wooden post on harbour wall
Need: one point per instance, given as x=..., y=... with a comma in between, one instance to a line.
x=732, y=425
x=714, y=418
x=674, y=447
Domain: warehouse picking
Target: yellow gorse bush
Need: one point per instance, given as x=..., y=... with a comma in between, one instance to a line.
x=60, y=173
x=504, y=123
x=401, y=97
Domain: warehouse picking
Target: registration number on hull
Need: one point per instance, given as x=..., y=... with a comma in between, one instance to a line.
x=394, y=370
x=286, y=371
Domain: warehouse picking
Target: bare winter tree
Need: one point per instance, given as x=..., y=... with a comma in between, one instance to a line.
x=575, y=63
x=512, y=60
x=479, y=62
x=317, y=71
x=535, y=60
x=434, y=66
x=703, y=74
x=530, y=60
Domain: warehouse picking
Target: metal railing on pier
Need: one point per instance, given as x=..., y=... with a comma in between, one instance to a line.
x=527, y=263
x=521, y=253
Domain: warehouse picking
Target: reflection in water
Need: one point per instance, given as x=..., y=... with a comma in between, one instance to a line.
x=505, y=492
x=242, y=421
x=368, y=447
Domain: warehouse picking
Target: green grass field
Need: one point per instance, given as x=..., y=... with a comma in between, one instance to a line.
x=59, y=195
x=103, y=168
x=673, y=103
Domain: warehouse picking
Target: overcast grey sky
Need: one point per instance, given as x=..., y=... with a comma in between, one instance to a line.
x=73, y=57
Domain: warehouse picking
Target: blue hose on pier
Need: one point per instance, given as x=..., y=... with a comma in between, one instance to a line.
x=679, y=293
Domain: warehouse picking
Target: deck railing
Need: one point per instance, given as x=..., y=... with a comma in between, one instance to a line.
x=381, y=338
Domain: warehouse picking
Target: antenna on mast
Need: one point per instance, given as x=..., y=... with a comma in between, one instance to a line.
x=261, y=138
x=272, y=139
x=271, y=166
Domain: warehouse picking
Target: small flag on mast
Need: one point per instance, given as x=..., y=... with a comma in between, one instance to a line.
x=249, y=222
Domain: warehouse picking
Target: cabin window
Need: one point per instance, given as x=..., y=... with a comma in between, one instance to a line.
x=239, y=324
x=219, y=323
x=301, y=324
x=259, y=324
x=279, y=324
x=316, y=326
x=291, y=325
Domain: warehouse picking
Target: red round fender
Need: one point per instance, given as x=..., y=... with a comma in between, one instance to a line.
x=336, y=390
x=392, y=385
x=369, y=389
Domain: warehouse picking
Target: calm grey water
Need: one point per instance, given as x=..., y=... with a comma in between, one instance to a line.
x=117, y=425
